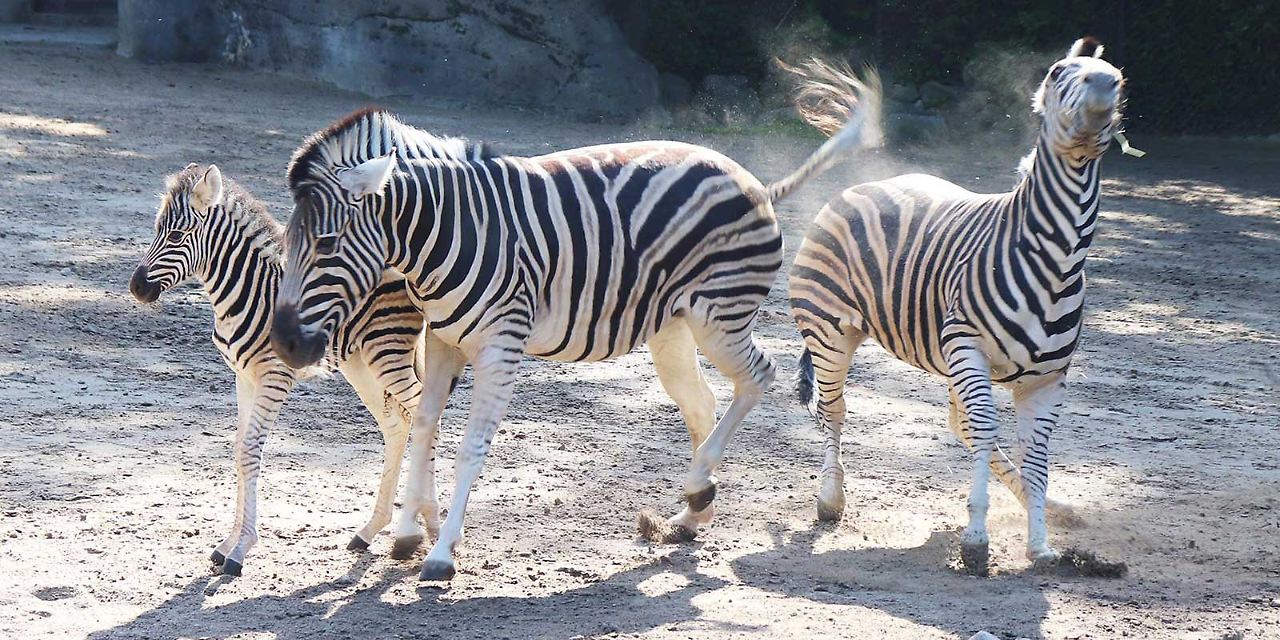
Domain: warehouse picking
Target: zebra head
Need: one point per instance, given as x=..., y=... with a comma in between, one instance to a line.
x=336, y=253
x=177, y=251
x=1080, y=100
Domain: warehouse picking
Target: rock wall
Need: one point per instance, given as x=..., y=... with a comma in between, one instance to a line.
x=561, y=54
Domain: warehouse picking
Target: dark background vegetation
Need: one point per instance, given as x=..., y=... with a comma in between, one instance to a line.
x=1193, y=66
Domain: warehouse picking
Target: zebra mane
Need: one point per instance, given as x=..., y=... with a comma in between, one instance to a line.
x=371, y=132
x=248, y=214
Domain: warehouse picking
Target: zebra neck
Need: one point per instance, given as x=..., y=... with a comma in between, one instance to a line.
x=448, y=219
x=240, y=277
x=1058, y=207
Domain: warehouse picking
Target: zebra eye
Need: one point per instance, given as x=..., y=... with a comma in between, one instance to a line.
x=326, y=245
x=175, y=236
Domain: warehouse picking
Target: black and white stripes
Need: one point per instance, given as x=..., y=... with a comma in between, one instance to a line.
x=210, y=229
x=576, y=256
x=979, y=289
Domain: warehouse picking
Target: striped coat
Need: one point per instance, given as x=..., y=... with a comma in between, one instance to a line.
x=581, y=255
x=978, y=289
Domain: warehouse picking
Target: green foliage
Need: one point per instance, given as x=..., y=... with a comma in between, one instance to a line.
x=1204, y=66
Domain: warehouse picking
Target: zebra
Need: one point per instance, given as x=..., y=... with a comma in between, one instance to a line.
x=976, y=288
x=211, y=229
x=580, y=255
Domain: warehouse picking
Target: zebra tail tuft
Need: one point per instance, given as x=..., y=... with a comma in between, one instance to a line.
x=834, y=100
x=806, y=379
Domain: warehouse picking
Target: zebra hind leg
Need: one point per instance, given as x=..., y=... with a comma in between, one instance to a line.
x=395, y=435
x=675, y=357
x=830, y=356
x=733, y=350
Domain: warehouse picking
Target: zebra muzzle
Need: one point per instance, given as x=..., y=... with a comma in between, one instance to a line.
x=296, y=346
x=142, y=287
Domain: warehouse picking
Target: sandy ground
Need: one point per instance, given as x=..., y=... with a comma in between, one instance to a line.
x=115, y=420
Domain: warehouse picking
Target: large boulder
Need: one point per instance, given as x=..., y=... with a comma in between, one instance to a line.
x=162, y=30
x=561, y=54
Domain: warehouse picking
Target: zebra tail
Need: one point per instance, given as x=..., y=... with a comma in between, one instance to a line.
x=806, y=379
x=835, y=101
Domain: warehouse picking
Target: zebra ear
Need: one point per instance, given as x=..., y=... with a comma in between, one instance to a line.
x=369, y=177
x=1086, y=46
x=206, y=193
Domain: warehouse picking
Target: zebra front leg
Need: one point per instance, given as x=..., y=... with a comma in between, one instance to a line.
x=494, y=371
x=970, y=380
x=269, y=395
x=1037, y=411
x=675, y=358
x=245, y=390
x=443, y=364
x=1009, y=475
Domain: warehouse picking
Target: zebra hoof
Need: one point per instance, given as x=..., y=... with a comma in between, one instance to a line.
x=1045, y=561
x=975, y=558
x=405, y=546
x=217, y=558
x=357, y=544
x=830, y=512
x=230, y=568
x=700, y=500
x=436, y=571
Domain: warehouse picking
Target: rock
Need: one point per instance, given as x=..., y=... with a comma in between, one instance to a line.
x=156, y=30
x=49, y=594
x=983, y=635
x=675, y=91
x=904, y=93
x=561, y=54
x=935, y=94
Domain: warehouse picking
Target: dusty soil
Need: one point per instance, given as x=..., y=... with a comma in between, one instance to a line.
x=115, y=475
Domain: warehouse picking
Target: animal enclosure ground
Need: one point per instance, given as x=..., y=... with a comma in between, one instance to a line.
x=116, y=420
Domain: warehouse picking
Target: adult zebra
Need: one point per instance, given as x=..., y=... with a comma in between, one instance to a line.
x=211, y=229
x=580, y=255
x=975, y=288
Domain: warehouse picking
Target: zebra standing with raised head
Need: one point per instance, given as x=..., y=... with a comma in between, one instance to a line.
x=209, y=228
x=575, y=256
x=975, y=288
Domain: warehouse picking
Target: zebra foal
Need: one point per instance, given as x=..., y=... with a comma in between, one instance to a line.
x=978, y=289
x=581, y=255
x=209, y=228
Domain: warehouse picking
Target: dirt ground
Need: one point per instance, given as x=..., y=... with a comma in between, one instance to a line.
x=116, y=420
